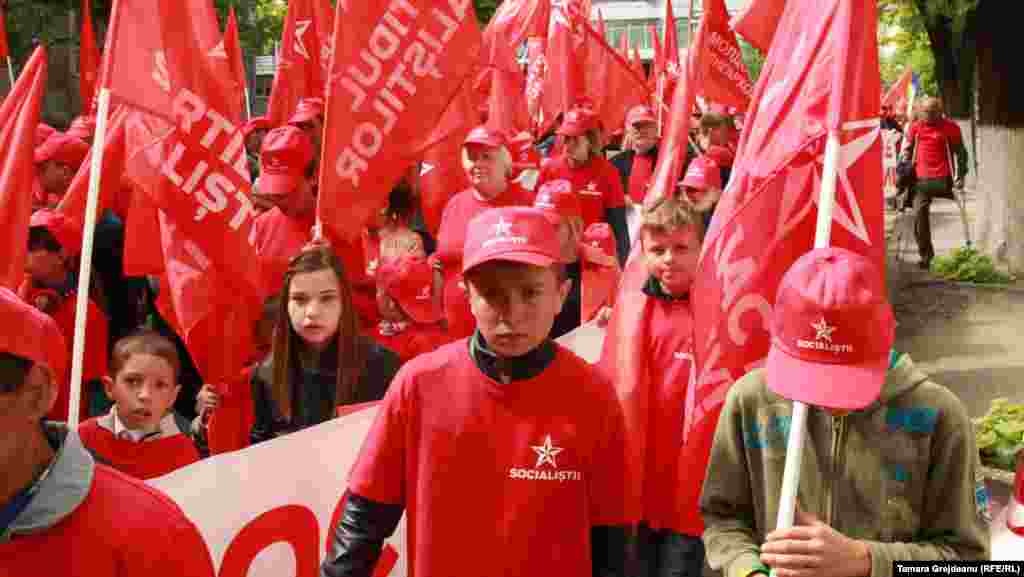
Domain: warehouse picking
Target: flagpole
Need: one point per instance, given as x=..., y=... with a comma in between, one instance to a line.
x=10, y=71
x=822, y=239
x=85, y=262
x=248, y=105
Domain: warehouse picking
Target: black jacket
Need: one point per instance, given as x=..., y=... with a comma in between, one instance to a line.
x=314, y=402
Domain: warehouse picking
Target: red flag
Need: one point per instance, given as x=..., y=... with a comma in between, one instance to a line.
x=725, y=78
x=88, y=60
x=565, y=54
x=5, y=51
x=513, y=22
x=758, y=22
x=615, y=87
x=300, y=74
x=670, y=57
x=536, y=71
x=657, y=64
x=395, y=70
x=821, y=74
x=19, y=117
x=896, y=97
x=233, y=50
x=74, y=200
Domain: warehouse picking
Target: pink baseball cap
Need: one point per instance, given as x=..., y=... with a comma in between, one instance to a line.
x=409, y=280
x=307, y=109
x=640, y=113
x=284, y=156
x=832, y=331
x=598, y=244
x=702, y=174
x=577, y=121
x=43, y=131
x=67, y=233
x=37, y=338
x=63, y=148
x=484, y=136
x=517, y=234
x=558, y=200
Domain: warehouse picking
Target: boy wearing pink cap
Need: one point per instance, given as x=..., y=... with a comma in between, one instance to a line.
x=410, y=321
x=505, y=449
x=61, y=513
x=889, y=456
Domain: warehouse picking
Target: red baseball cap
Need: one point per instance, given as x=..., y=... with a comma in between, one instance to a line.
x=83, y=128
x=703, y=174
x=284, y=156
x=832, y=331
x=37, y=338
x=63, y=148
x=484, y=136
x=577, y=122
x=599, y=244
x=67, y=233
x=640, y=113
x=558, y=200
x=517, y=234
x=43, y=131
x=410, y=281
x=307, y=109
x=255, y=123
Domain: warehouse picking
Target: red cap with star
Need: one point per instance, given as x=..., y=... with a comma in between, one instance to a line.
x=409, y=280
x=517, y=234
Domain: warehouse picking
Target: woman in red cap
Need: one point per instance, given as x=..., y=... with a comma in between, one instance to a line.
x=488, y=165
x=594, y=178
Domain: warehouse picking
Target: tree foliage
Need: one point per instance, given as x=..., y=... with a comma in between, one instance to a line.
x=485, y=9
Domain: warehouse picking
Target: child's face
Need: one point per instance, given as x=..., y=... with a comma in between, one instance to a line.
x=314, y=307
x=45, y=267
x=144, y=390
x=388, y=308
x=671, y=258
x=515, y=304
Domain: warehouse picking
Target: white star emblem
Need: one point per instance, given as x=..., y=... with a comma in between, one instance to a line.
x=218, y=51
x=502, y=228
x=824, y=331
x=425, y=168
x=301, y=27
x=546, y=453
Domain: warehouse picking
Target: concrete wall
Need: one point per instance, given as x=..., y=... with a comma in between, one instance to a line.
x=1000, y=195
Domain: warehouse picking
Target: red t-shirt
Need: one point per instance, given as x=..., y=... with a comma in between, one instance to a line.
x=415, y=340
x=94, y=364
x=278, y=238
x=597, y=184
x=451, y=239
x=669, y=362
x=497, y=479
x=124, y=528
x=145, y=460
x=931, y=141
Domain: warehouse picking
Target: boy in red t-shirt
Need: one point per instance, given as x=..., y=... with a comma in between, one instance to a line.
x=505, y=449
x=649, y=353
x=410, y=322
x=141, y=435
x=53, y=241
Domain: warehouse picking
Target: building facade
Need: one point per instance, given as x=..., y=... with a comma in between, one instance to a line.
x=635, y=18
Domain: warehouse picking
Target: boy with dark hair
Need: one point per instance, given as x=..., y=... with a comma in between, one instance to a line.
x=505, y=449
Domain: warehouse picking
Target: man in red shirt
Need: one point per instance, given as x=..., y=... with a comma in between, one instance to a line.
x=932, y=142
x=593, y=177
x=505, y=449
x=60, y=512
x=287, y=180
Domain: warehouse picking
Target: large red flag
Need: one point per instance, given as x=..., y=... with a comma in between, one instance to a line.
x=565, y=56
x=19, y=117
x=513, y=22
x=72, y=205
x=233, y=50
x=300, y=74
x=88, y=59
x=395, y=70
x=896, y=97
x=657, y=64
x=192, y=165
x=758, y=22
x=615, y=86
x=724, y=77
x=670, y=56
x=821, y=74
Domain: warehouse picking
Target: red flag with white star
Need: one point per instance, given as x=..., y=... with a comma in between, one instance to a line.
x=726, y=79
x=821, y=74
x=300, y=74
x=565, y=54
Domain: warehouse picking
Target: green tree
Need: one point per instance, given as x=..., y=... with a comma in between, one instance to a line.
x=485, y=9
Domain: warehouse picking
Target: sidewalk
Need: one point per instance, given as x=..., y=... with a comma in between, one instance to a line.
x=947, y=236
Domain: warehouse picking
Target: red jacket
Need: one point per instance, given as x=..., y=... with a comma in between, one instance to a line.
x=146, y=460
x=935, y=145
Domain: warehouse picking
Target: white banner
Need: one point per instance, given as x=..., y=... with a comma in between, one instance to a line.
x=267, y=510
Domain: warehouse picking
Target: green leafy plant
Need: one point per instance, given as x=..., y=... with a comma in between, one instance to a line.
x=1000, y=434
x=967, y=264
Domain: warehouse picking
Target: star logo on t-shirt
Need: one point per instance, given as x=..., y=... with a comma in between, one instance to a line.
x=546, y=453
x=824, y=331
x=502, y=228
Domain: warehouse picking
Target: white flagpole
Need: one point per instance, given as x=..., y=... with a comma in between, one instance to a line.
x=822, y=239
x=85, y=263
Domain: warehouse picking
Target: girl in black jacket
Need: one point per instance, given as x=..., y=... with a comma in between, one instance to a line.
x=319, y=361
